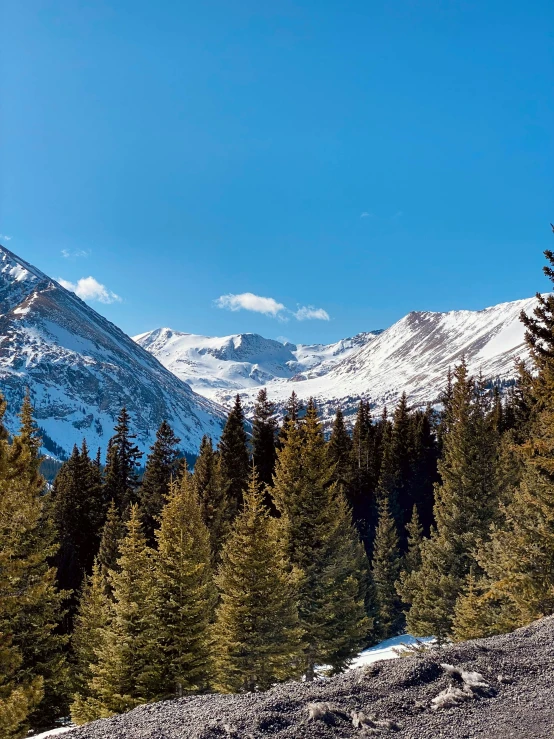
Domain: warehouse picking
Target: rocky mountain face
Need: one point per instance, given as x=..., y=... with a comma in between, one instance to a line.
x=413, y=355
x=81, y=369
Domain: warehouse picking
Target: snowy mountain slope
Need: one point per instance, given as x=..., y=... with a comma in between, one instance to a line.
x=81, y=369
x=413, y=355
x=233, y=363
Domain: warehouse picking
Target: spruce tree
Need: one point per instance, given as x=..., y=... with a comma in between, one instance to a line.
x=184, y=595
x=234, y=459
x=78, y=512
x=385, y=568
x=128, y=648
x=121, y=480
x=257, y=635
x=293, y=408
x=466, y=504
x=93, y=618
x=161, y=468
x=108, y=552
x=264, y=430
x=209, y=488
x=321, y=542
x=414, y=535
x=340, y=451
x=472, y=616
x=30, y=604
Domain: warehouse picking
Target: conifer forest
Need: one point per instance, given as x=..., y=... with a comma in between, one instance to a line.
x=282, y=552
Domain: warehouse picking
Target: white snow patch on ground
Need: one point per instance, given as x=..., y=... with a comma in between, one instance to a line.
x=387, y=649
x=51, y=732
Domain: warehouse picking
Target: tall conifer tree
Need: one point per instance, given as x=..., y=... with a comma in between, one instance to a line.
x=234, y=459
x=184, y=595
x=385, y=571
x=321, y=542
x=209, y=488
x=264, y=430
x=161, y=468
x=257, y=636
x=121, y=472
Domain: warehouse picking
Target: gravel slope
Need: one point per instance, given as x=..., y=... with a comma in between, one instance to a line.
x=512, y=696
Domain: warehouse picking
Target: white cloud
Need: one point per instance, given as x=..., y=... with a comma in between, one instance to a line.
x=5, y=237
x=75, y=253
x=365, y=214
x=88, y=288
x=249, y=301
x=309, y=313
x=270, y=307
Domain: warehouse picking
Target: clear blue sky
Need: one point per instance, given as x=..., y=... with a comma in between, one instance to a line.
x=199, y=149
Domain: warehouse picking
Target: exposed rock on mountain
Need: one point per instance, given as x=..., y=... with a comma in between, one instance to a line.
x=80, y=369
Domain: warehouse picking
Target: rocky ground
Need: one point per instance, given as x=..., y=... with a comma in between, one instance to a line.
x=497, y=687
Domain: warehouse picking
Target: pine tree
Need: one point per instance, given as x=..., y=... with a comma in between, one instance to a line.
x=414, y=534
x=78, y=512
x=234, y=460
x=466, y=504
x=17, y=698
x=264, y=430
x=93, y=617
x=257, y=632
x=385, y=570
x=397, y=471
x=30, y=604
x=121, y=475
x=321, y=542
x=184, y=595
x=110, y=541
x=161, y=469
x=340, y=451
x=365, y=463
x=425, y=473
x=293, y=408
x=128, y=648
x=209, y=488
x=471, y=613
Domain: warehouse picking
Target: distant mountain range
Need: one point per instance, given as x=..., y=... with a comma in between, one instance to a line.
x=413, y=356
x=80, y=369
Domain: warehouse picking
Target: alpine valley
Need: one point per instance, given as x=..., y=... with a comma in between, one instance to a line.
x=80, y=369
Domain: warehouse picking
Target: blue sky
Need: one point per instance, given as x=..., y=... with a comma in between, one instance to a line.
x=349, y=160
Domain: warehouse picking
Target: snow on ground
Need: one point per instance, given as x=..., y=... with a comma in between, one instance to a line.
x=51, y=732
x=387, y=649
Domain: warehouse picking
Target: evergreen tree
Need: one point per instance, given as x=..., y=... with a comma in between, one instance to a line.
x=471, y=613
x=184, y=595
x=93, y=617
x=414, y=534
x=321, y=542
x=209, y=488
x=398, y=466
x=257, y=632
x=293, y=408
x=128, y=647
x=425, y=473
x=234, y=460
x=340, y=451
x=366, y=456
x=161, y=469
x=121, y=479
x=466, y=503
x=108, y=552
x=78, y=512
x=264, y=430
x=30, y=604
x=385, y=571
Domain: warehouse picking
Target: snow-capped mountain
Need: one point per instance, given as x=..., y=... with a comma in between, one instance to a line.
x=80, y=369
x=222, y=366
x=413, y=355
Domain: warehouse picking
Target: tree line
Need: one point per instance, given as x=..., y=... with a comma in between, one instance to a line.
x=279, y=552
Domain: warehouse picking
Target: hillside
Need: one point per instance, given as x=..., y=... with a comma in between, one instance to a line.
x=80, y=369
x=413, y=355
x=504, y=691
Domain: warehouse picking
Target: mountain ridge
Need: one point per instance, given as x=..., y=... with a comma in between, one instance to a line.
x=413, y=354
x=80, y=368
